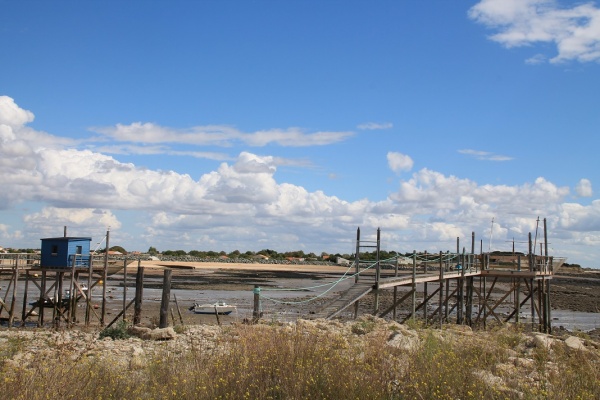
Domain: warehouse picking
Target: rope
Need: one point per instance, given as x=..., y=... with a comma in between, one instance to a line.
x=333, y=284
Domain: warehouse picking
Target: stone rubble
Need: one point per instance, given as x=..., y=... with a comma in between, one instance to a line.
x=20, y=347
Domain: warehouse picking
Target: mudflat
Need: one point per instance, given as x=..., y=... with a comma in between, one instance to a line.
x=571, y=289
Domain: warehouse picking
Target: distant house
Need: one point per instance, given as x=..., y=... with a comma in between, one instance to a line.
x=342, y=261
x=404, y=261
x=60, y=252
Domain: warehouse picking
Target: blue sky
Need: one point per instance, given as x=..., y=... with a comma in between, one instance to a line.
x=216, y=125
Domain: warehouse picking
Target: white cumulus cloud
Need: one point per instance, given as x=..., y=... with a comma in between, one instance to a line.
x=399, y=162
x=242, y=205
x=575, y=29
x=584, y=188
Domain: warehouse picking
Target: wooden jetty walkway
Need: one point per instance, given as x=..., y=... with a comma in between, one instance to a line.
x=465, y=288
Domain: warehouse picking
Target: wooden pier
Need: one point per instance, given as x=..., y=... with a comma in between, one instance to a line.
x=463, y=288
x=61, y=292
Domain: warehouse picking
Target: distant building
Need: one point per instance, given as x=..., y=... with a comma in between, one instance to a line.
x=342, y=261
x=404, y=261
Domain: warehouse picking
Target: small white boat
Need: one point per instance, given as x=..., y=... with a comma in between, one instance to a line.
x=220, y=307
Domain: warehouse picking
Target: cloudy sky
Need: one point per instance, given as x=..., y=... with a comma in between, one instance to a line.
x=223, y=125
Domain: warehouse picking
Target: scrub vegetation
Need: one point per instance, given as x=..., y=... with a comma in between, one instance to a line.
x=364, y=359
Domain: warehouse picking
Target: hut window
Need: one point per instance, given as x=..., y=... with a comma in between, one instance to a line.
x=54, y=250
x=78, y=250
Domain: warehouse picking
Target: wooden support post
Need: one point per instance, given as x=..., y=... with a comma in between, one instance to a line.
x=532, y=300
x=544, y=305
x=469, y=305
x=487, y=267
x=119, y=315
x=357, y=267
x=178, y=309
x=441, y=296
x=395, y=290
x=414, y=283
x=124, y=288
x=24, y=313
x=377, y=273
x=139, y=290
x=461, y=291
x=58, y=304
x=10, y=284
x=541, y=315
x=42, y=299
x=11, y=314
x=88, y=303
x=217, y=316
x=425, y=302
x=104, y=278
x=549, y=309
x=447, y=296
x=256, y=314
x=72, y=293
x=166, y=295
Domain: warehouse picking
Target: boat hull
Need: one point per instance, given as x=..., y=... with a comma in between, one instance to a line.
x=213, y=309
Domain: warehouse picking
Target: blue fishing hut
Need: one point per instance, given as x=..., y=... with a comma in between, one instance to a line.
x=59, y=252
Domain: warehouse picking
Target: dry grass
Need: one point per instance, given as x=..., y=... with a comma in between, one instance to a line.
x=305, y=362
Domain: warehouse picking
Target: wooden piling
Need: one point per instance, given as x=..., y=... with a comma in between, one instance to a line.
x=441, y=291
x=256, y=309
x=88, y=299
x=357, y=268
x=166, y=295
x=24, y=313
x=139, y=290
x=414, y=284
x=11, y=314
x=124, y=289
x=104, y=278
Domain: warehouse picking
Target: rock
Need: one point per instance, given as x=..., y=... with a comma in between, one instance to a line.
x=152, y=334
x=575, y=343
x=403, y=341
x=138, y=331
x=160, y=334
x=541, y=340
